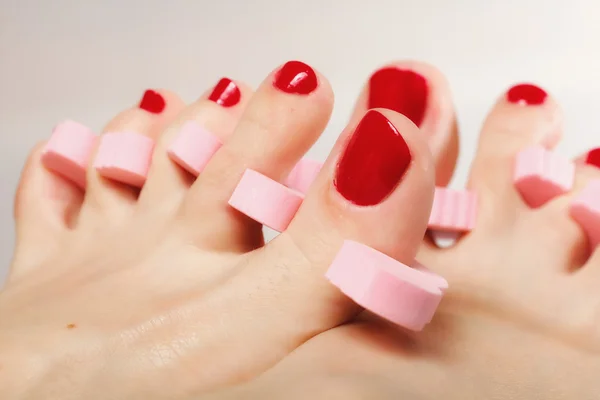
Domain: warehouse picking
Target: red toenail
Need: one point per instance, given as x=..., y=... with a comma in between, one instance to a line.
x=226, y=93
x=527, y=94
x=375, y=159
x=152, y=102
x=296, y=77
x=401, y=90
x=593, y=157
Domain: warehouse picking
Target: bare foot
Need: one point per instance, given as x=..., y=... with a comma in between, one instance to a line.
x=169, y=292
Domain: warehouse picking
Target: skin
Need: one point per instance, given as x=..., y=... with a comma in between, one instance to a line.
x=169, y=294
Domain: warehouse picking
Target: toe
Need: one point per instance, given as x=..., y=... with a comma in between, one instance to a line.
x=376, y=188
x=46, y=206
x=526, y=115
x=111, y=190
x=283, y=119
x=420, y=92
x=186, y=145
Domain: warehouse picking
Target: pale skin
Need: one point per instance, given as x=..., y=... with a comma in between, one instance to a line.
x=170, y=294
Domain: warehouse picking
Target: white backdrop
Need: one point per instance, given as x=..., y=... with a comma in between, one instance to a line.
x=86, y=60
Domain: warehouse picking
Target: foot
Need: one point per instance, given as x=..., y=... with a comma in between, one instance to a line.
x=521, y=317
x=169, y=292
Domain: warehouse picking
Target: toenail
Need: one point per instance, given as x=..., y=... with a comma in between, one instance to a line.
x=124, y=157
x=265, y=200
x=593, y=157
x=152, y=102
x=401, y=90
x=453, y=210
x=226, y=93
x=194, y=147
x=540, y=175
x=296, y=77
x=303, y=175
x=585, y=210
x=69, y=150
x=526, y=94
x=374, y=161
x=405, y=296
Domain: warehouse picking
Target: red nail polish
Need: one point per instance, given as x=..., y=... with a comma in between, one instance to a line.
x=375, y=159
x=526, y=94
x=401, y=90
x=296, y=77
x=593, y=157
x=226, y=93
x=152, y=102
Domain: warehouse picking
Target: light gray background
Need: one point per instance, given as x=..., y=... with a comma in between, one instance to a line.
x=86, y=60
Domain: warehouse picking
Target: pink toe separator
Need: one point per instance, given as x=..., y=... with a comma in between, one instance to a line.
x=408, y=297
x=540, y=175
x=124, y=157
x=194, y=147
x=265, y=200
x=303, y=175
x=69, y=150
x=585, y=210
x=453, y=210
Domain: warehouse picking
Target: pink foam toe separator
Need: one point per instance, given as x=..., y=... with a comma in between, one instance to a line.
x=265, y=200
x=69, y=150
x=194, y=147
x=438, y=279
x=406, y=296
x=303, y=175
x=540, y=175
x=124, y=157
x=453, y=210
x=585, y=210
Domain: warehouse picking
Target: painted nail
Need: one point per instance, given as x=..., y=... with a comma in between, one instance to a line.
x=401, y=90
x=526, y=94
x=226, y=93
x=152, y=102
x=374, y=162
x=296, y=77
x=593, y=157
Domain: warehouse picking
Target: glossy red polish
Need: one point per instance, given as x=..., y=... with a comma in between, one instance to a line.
x=593, y=157
x=401, y=90
x=152, y=102
x=296, y=77
x=526, y=94
x=374, y=161
x=226, y=93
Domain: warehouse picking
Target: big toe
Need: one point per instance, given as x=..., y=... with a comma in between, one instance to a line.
x=372, y=198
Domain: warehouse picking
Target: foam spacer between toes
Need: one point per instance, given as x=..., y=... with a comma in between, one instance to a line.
x=403, y=295
x=453, y=210
x=194, y=147
x=69, y=150
x=265, y=200
x=585, y=210
x=541, y=175
x=303, y=175
x=124, y=157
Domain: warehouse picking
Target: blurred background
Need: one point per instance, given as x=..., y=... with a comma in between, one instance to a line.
x=86, y=60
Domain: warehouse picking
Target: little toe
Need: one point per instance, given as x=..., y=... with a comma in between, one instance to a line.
x=45, y=209
x=119, y=164
x=420, y=92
